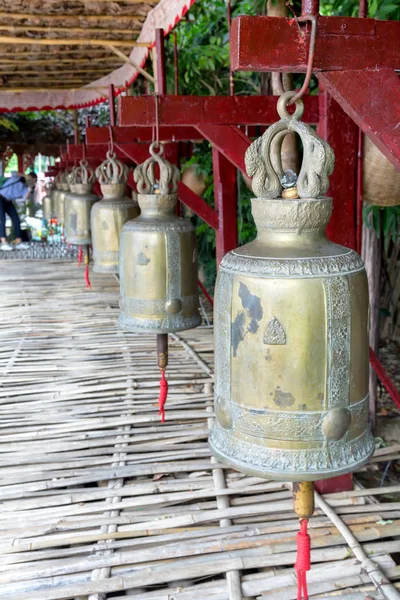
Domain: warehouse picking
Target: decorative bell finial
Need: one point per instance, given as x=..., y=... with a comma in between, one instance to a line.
x=109, y=215
x=158, y=261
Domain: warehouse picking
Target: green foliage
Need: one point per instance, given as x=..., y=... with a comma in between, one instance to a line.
x=204, y=51
x=377, y=9
x=385, y=221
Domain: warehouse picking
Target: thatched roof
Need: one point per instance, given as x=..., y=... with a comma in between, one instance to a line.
x=49, y=49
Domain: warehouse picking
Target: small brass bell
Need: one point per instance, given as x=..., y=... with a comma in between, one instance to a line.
x=78, y=204
x=49, y=206
x=158, y=260
x=109, y=215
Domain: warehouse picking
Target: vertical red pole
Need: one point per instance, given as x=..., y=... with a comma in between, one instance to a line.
x=113, y=119
x=176, y=65
x=336, y=127
x=340, y=131
x=161, y=71
x=225, y=195
x=20, y=159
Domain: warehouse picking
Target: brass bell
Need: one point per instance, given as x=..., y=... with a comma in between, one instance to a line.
x=291, y=327
x=158, y=256
x=49, y=207
x=158, y=262
x=78, y=204
x=109, y=215
x=62, y=184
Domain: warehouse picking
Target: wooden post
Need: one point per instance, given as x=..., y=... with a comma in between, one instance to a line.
x=20, y=158
x=113, y=119
x=160, y=63
x=225, y=194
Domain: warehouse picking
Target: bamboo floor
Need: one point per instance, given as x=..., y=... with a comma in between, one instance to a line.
x=99, y=500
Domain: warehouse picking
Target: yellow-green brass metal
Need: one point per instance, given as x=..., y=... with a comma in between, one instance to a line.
x=291, y=340
x=78, y=204
x=49, y=206
x=303, y=499
x=110, y=214
x=62, y=185
x=158, y=262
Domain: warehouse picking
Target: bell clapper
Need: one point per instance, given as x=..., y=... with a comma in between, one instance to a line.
x=303, y=498
x=162, y=359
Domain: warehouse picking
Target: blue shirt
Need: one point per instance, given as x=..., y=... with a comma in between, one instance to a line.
x=13, y=188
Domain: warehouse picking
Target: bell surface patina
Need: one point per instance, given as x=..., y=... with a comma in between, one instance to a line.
x=110, y=214
x=291, y=327
x=78, y=204
x=62, y=184
x=49, y=206
x=158, y=256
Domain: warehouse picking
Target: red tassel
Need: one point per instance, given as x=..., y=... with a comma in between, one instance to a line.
x=163, y=395
x=80, y=253
x=87, y=280
x=303, y=560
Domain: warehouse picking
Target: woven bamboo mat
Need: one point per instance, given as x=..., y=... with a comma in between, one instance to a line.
x=99, y=500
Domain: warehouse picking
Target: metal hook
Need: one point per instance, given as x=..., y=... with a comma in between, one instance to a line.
x=314, y=22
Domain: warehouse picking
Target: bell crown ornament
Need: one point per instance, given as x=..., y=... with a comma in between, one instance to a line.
x=291, y=326
x=112, y=176
x=146, y=178
x=83, y=178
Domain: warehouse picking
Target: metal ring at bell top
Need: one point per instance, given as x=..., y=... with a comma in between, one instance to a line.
x=282, y=106
x=153, y=149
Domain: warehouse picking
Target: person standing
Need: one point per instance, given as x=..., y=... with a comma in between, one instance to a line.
x=13, y=189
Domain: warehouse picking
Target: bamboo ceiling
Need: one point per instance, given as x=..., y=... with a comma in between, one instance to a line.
x=51, y=51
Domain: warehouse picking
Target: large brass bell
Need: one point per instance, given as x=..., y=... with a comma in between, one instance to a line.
x=109, y=215
x=78, y=204
x=291, y=318
x=158, y=256
x=49, y=206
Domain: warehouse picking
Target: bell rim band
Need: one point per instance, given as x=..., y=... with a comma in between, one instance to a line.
x=234, y=448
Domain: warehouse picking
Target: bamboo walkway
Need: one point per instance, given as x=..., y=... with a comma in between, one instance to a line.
x=100, y=501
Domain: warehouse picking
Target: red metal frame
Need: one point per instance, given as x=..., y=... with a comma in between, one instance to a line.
x=267, y=44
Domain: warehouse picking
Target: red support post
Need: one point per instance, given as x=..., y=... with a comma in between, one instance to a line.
x=225, y=195
x=161, y=71
x=111, y=103
x=338, y=129
x=20, y=159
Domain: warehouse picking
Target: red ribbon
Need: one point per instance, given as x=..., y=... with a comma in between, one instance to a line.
x=80, y=256
x=303, y=560
x=87, y=280
x=163, y=395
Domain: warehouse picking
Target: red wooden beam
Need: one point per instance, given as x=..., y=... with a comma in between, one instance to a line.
x=384, y=378
x=341, y=133
x=225, y=194
x=198, y=205
x=129, y=134
x=278, y=44
x=193, y=111
x=160, y=59
x=372, y=99
x=230, y=141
